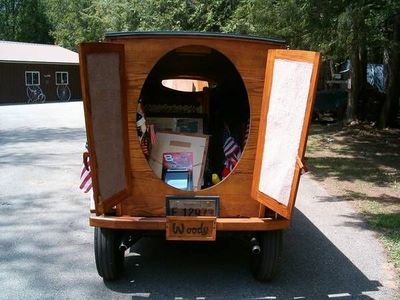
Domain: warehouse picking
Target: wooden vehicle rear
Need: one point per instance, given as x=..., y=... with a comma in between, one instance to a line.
x=258, y=196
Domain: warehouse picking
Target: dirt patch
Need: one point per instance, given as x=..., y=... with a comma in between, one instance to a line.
x=361, y=164
x=357, y=162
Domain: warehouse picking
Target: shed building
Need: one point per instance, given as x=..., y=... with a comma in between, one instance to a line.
x=45, y=66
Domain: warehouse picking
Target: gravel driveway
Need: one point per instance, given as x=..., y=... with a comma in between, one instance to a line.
x=46, y=245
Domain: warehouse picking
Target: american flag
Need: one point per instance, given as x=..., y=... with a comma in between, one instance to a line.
x=232, y=152
x=246, y=133
x=144, y=144
x=153, y=137
x=86, y=178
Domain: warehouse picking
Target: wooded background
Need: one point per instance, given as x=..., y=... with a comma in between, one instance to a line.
x=362, y=31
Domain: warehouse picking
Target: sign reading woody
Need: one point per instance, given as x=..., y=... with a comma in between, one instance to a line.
x=191, y=228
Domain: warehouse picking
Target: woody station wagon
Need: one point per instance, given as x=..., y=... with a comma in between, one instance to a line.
x=192, y=135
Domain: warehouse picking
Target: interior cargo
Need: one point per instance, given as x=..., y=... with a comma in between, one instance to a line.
x=207, y=97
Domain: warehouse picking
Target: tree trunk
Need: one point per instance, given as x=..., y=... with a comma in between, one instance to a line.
x=362, y=96
x=358, y=60
x=362, y=44
x=390, y=107
x=331, y=68
x=352, y=109
x=383, y=114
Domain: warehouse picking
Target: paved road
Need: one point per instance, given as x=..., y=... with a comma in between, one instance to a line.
x=46, y=245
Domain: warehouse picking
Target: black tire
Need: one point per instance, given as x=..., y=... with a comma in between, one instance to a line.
x=265, y=265
x=109, y=259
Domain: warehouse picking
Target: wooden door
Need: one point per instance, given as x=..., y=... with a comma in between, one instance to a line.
x=104, y=97
x=289, y=92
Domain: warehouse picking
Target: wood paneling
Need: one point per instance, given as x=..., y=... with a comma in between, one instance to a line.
x=103, y=86
x=148, y=191
x=290, y=55
x=158, y=223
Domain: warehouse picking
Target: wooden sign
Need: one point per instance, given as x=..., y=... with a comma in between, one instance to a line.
x=191, y=228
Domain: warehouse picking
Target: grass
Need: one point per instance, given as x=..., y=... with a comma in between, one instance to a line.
x=388, y=224
x=361, y=165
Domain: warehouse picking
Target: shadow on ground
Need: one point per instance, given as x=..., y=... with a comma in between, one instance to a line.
x=46, y=245
x=313, y=268
x=355, y=153
x=38, y=135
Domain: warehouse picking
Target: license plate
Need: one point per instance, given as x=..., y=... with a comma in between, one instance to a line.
x=191, y=228
x=193, y=206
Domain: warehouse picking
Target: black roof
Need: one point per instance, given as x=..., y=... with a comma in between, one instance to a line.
x=274, y=40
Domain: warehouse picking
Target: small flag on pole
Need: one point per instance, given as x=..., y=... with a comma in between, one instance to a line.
x=232, y=154
x=153, y=137
x=246, y=133
x=86, y=178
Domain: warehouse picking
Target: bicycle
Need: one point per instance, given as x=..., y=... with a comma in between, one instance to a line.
x=35, y=94
x=63, y=92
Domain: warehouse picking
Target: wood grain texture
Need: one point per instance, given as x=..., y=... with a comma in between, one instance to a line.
x=291, y=55
x=159, y=223
x=105, y=203
x=147, y=191
x=192, y=228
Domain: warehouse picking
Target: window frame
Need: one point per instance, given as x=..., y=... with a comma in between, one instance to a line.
x=26, y=78
x=62, y=72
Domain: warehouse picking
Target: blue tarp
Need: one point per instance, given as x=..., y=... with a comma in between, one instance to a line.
x=375, y=76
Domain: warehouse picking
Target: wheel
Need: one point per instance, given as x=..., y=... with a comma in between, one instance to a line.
x=109, y=259
x=265, y=264
x=63, y=93
x=31, y=93
x=42, y=98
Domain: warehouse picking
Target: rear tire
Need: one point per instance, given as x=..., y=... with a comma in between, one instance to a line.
x=265, y=265
x=109, y=259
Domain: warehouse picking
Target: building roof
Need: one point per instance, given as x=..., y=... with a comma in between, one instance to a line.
x=274, y=40
x=36, y=53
